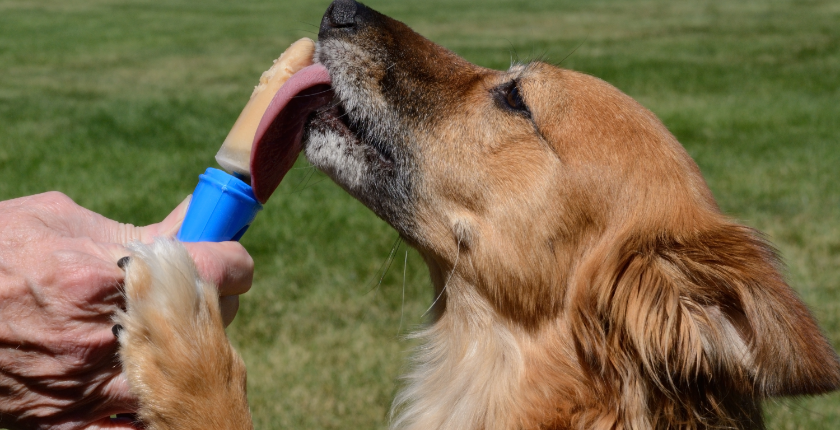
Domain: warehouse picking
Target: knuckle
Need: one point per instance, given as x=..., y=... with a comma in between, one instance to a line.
x=81, y=269
x=48, y=206
x=77, y=274
x=56, y=199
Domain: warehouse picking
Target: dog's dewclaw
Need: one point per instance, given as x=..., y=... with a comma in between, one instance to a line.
x=235, y=153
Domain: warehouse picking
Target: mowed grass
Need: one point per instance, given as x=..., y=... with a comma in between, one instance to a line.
x=121, y=104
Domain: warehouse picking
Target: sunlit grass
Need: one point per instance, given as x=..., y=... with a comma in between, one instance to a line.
x=121, y=104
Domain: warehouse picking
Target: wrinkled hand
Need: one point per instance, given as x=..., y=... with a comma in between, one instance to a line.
x=59, y=286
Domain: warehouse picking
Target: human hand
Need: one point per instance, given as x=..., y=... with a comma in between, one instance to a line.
x=59, y=287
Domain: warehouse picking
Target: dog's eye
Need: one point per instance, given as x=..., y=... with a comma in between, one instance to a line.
x=511, y=98
x=514, y=99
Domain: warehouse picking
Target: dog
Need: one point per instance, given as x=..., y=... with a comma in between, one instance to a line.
x=584, y=277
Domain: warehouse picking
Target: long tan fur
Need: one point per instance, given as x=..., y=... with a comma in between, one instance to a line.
x=584, y=277
x=173, y=347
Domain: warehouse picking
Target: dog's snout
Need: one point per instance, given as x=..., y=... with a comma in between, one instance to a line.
x=340, y=14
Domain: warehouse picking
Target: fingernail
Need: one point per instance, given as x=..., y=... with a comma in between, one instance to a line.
x=116, y=329
x=123, y=261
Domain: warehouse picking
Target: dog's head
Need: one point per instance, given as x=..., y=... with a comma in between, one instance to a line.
x=520, y=170
x=553, y=196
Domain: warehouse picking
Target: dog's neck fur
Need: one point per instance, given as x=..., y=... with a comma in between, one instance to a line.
x=477, y=370
x=467, y=372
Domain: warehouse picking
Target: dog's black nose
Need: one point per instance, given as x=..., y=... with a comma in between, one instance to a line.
x=340, y=14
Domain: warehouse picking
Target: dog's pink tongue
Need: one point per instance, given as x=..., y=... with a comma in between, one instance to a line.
x=277, y=142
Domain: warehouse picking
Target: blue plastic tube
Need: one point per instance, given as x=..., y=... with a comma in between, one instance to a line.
x=221, y=209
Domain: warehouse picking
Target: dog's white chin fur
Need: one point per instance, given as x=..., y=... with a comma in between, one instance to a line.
x=173, y=347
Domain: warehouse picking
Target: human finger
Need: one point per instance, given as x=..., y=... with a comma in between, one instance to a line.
x=105, y=423
x=58, y=211
x=229, y=306
x=127, y=233
x=226, y=264
x=94, y=411
x=116, y=400
x=170, y=225
x=119, y=423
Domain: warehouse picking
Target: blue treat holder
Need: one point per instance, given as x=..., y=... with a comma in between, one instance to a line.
x=221, y=209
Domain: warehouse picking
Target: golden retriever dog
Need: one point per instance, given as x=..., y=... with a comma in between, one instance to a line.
x=584, y=277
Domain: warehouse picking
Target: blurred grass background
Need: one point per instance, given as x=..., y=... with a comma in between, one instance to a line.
x=121, y=104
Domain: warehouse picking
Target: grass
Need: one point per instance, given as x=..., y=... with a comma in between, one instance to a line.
x=121, y=104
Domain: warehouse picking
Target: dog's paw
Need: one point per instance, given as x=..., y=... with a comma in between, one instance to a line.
x=173, y=347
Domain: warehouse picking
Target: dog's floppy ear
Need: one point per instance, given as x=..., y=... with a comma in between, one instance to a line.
x=708, y=306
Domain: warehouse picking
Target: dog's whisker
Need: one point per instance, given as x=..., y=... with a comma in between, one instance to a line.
x=313, y=183
x=573, y=51
x=791, y=404
x=309, y=24
x=300, y=96
x=303, y=184
x=308, y=31
x=383, y=269
x=448, y=278
x=514, y=56
x=402, y=306
x=331, y=106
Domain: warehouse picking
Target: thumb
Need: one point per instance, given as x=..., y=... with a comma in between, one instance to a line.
x=169, y=226
x=82, y=222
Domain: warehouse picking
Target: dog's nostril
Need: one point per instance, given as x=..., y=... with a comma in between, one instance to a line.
x=342, y=13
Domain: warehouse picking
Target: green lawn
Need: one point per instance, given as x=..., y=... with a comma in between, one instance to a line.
x=121, y=104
